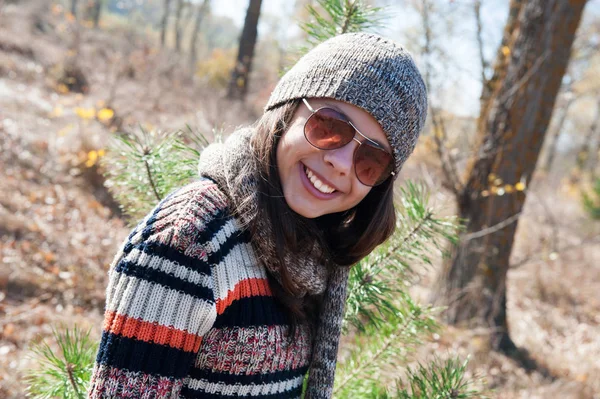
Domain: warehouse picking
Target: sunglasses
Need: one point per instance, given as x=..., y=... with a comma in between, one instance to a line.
x=329, y=129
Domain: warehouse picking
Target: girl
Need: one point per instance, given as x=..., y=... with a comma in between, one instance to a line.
x=235, y=285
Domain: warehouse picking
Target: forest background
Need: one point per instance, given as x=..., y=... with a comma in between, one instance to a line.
x=72, y=81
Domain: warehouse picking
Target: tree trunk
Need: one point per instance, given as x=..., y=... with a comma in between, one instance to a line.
x=74, y=8
x=238, y=86
x=473, y=282
x=491, y=85
x=595, y=152
x=195, y=33
x=564, y=111
x=178, y=25
x=97, y=11
x=586, y=158
x=164, y=22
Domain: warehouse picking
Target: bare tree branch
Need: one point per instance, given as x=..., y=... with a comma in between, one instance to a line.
x=484, y=63
x=440, y=136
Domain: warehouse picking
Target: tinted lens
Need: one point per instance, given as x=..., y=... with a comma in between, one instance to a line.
x=328, y=129
x=372, y=165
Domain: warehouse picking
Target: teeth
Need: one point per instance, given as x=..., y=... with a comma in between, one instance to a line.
x=319, y=185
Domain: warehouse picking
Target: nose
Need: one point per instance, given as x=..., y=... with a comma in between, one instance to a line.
x=342, y=159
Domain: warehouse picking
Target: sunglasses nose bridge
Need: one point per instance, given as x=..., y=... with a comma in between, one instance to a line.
x=342, y=158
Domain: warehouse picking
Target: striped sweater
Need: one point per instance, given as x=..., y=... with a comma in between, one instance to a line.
x=190, y=313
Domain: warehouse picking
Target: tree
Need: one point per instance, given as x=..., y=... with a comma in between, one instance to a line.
x=588, y=154
x=517, y=103
x=567, y=101
x=164, y=22
x=74, y=8
x=200, y=12
x=96, y=11
x=238, y=85
x=179, y=24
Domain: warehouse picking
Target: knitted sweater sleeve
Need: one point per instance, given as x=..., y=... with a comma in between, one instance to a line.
x=160, y=299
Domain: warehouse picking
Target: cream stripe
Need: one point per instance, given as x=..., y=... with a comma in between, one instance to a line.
x=239, y=264
x=221, y=236
x=158, y=263
x=244, y=390
x=152, y=302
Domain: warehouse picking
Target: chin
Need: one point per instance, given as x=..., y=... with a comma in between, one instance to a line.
x=301, y=209
x=304, y=212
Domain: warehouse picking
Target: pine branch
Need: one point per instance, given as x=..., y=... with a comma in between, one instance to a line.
x=335, y=17
x=143, y=167
x=67, y=376
x=373, y=282
x=149, y=174
x=438, y=379
x=389, y=343
x=591, y=204
x=381, y=352
x=70, y=368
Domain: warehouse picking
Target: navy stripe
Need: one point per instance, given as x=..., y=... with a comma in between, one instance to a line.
x=234, y=239
x=218, y=221
x=174, y=255
x=165, y=279
x=139, y=356
x=187, y=392
x=252, y=312
x=232, y=379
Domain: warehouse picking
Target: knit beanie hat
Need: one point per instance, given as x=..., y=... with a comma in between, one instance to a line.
x=370, y=72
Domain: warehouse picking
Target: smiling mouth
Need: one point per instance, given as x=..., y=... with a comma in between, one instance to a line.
x=318, y=184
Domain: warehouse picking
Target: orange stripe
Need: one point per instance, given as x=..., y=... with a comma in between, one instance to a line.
x=245, y=289
x=129, y=327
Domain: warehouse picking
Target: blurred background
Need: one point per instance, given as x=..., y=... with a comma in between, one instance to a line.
x=512, y=144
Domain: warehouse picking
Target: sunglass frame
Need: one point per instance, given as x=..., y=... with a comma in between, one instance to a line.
x=369, y=142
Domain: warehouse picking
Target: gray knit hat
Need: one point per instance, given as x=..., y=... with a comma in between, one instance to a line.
x=370, y=72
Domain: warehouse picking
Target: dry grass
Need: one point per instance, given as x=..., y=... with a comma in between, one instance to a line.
x=59, y=228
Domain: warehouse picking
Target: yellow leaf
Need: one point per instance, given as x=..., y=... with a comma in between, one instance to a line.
x=101, y=153
x=62, y=88
x=92, y=157
x=494, y=190
x=85, y=113
x=506, y=51
x=509, y=188
x=520, y=186
x=105, y=114
x=491, y=177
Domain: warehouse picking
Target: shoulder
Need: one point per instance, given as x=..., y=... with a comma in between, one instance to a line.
x=186, y=220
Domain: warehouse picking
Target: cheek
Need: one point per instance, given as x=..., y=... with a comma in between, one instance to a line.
x=359, y=194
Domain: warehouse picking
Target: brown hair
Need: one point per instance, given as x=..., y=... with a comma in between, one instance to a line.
x=344, y=237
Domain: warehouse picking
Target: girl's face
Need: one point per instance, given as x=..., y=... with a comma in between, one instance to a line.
x=308, y=174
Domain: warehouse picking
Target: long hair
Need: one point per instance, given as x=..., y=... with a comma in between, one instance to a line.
x=344, y=238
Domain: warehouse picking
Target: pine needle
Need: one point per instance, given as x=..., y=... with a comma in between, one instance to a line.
x=65, y=374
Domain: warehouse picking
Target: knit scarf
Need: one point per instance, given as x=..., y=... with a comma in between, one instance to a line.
x=233, y=166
